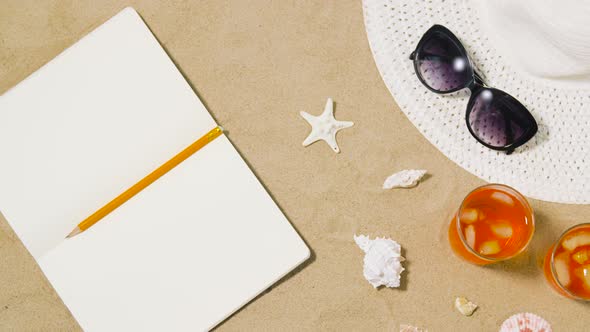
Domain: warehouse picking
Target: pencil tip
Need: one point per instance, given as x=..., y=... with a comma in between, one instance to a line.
x=75, y=232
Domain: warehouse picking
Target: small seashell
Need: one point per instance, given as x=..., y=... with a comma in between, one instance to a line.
x=525, y=322
x=464, y=306
x=382, y=263
x=410, y=328
x=404, y=179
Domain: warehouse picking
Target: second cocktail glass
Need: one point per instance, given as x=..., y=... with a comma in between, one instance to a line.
x=567, y=263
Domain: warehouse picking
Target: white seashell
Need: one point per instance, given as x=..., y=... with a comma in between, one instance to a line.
x=410, y=328
x=465, y=307
x=382, y=263
x=405, y=179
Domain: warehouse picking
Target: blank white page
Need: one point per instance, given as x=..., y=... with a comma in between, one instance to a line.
x=182, y=255
x=88, y=125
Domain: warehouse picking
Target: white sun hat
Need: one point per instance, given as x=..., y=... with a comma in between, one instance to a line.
x=537, y=51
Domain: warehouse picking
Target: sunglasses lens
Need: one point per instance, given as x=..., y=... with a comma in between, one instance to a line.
x=442, y=64
x=499, y=120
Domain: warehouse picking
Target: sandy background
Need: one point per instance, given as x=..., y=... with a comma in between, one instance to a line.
x=256, y=64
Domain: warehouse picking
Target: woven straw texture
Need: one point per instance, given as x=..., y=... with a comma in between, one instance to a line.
x=553, y=166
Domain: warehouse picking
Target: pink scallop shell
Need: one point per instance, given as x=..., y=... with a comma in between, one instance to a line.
x=525, y=322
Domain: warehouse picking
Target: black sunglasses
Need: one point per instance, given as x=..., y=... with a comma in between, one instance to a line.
x=495, y=118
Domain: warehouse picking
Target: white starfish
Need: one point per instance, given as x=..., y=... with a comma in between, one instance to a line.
x=325, y=127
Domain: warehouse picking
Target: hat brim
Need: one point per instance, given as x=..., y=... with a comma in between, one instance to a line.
x=552, y=166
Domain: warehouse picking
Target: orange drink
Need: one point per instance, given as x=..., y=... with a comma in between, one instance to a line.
x=494, y=223
x=567, y=263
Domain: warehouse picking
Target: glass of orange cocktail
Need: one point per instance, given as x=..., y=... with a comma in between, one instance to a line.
x=493, y=223
x=567, y=263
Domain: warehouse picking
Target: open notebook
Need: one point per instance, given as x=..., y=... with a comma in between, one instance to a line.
x=183, y=254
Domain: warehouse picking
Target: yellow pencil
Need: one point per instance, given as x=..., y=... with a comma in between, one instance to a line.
x=143, y=183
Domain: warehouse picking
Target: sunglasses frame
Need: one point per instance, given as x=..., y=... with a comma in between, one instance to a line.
x=475, y=84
